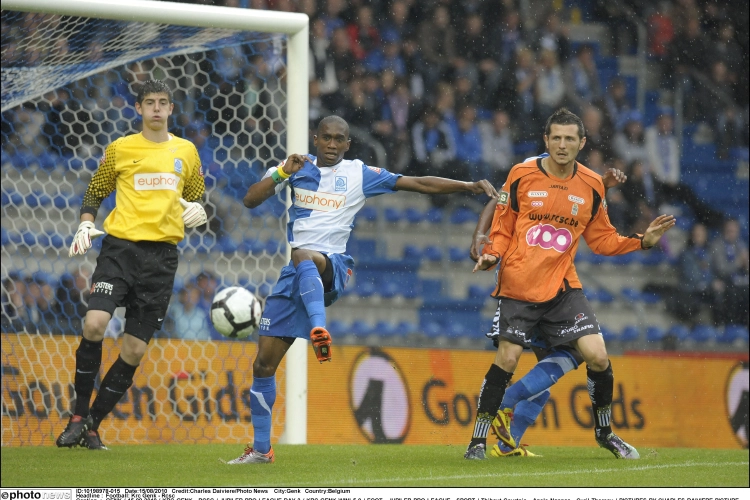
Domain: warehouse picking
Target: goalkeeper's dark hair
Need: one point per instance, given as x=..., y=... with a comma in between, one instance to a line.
x=564, y=117
x=153, y=87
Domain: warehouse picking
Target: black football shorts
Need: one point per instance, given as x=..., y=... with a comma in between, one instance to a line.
x=138, y=276
x=544, y=325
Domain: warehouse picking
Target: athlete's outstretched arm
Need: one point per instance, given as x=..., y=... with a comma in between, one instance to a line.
x=479, y=237
x=441, y=185
x=266, y=187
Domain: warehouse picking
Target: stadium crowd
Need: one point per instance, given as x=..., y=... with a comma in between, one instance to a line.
x=460, y=88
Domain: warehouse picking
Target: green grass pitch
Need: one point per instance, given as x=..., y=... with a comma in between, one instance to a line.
x=368, y=466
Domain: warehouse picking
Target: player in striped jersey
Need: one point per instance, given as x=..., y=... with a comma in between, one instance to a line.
x=327, y=192
x=158, y=180
x=544, y=208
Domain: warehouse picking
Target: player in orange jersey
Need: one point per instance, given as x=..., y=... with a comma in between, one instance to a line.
x=545, y=206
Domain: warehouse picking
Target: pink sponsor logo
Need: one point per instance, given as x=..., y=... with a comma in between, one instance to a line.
x=315, y=200
x=548, y=236
x=155, y=182
x=537, y=203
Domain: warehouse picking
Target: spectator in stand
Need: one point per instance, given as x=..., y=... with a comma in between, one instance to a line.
x=468, y=164
x=415, y=67
x=581, y=79
x=359, y=109
x=466, y=91
x=698, y=285
x=663, y=158
x=395, y=114
x=719, y=111
x=726, y=49
x=39, y=301
x=620, y=212
x=343, y=59
x=207, y=283
x=729, y=258
x=477, y=58
x=688, y=52
x=398, y=24
x=519, y=91
x=616, y=104
x=596, y=136
x=553, y=36
x=388, y=57
x=630, y=143
x=596, y=161
x=550, y=87
x=437, y=39
x=511, y=38
x=332, y=16
x=433, y=143
x=323, y=66
x=660, y=30
x=445, y=104
x=497, y=146
x=363, y=35
x=641, y=194
x=188, y=320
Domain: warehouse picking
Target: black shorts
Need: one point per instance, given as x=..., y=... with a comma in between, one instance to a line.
x=545, y=325
x=138, y=276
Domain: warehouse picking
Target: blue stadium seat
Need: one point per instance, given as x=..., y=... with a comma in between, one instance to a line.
x=456, y=254
x=630, y=333
x=274, y=246
x=370, y=214
x=393, y=214
x=679, y=332
x=384, y=328
x=703, y=333
x=477, y=292
x=631, y=294
x=413, y=216
x=457, y=329
x=432, y=329
x=655, y=334
x=650, y=298
x=733, y=333
x=4, y=238
x=431, y=288
x=605, y=296
x=360, y=328
x=653, y=257
x=434, y=216
x=433, y=253
x=406, y=327
x=462, y=215
x=389, y=289
x=227, y=244
x=412, y=252
x=623, y=260
x=336, y=327
x=591, y=294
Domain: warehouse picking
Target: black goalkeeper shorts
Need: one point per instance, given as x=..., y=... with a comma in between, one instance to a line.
x=138, y=276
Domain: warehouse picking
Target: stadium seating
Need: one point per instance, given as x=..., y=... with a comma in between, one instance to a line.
x=655, y=334
x=733, y=333
x=630, y=333
x=703, y=334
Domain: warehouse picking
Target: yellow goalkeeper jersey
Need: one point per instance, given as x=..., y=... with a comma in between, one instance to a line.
x=150, y=178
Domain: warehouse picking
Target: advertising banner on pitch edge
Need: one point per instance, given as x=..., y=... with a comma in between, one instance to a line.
x=198, y=392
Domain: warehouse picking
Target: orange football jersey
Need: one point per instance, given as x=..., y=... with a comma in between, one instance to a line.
x=537, y=225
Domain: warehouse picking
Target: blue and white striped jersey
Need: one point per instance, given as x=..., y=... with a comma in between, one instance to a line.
x=325, y=201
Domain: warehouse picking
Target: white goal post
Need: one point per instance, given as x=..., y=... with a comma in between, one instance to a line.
x=296, y=27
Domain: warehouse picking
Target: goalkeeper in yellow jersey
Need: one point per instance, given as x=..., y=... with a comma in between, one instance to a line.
x=158, y=179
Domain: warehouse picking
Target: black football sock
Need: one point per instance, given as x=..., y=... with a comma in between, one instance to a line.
x=601, y=386
x=490, y=397
x=116, y=382
x=88, y=362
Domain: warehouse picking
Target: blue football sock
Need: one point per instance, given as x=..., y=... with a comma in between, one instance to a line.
x=311, y=291
x=543, y=376
x=262, y=398
x=525, y=414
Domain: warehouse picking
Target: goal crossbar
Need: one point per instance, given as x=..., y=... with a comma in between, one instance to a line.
x=296, y=27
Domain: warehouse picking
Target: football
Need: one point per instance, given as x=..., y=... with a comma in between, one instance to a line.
x=235, y=312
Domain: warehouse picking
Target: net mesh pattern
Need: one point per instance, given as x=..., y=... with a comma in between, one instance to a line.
x=68, y=90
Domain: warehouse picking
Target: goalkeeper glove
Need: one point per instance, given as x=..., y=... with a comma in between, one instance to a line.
x=194, y=214
x=82, y=240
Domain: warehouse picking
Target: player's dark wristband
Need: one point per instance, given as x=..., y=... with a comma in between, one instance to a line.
x=644, y=247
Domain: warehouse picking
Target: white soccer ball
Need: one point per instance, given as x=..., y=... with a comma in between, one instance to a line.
x=235, y=312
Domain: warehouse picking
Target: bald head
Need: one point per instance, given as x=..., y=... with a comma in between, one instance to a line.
x=334, y=119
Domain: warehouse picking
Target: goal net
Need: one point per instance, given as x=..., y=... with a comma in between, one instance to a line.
x=68, y=87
